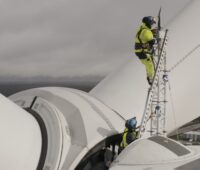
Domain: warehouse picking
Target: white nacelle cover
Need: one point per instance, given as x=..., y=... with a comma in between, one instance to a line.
x=151, y=151
x=20, y=143
x=80, y=117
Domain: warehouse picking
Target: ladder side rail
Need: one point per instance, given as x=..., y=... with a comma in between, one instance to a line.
x=160, y=57
x=152, y=89
x=159, y=126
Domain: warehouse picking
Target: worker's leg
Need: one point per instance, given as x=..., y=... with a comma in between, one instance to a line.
x=149, y=67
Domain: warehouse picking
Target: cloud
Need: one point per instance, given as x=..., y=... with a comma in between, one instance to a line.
x=71, y=38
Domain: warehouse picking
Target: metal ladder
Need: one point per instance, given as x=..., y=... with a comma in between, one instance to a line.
x=155, y=106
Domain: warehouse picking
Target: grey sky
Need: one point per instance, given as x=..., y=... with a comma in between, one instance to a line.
x=68, y=38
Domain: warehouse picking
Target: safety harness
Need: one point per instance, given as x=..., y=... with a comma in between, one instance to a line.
x=141, y=47
x=124, y=142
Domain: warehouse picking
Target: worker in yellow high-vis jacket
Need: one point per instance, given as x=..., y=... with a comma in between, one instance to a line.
x=130, y=133
x=144, y=42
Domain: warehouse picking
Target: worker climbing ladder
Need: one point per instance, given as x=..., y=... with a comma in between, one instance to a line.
x=155, y=107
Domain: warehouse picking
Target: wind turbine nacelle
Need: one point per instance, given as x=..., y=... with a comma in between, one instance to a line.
x=55, y=128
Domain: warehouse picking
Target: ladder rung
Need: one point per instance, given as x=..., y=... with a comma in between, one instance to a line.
x=151, y=99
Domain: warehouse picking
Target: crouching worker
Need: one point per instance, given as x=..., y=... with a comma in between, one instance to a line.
x=130, y=134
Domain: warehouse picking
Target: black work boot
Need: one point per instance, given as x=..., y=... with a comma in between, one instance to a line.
x=150, y=81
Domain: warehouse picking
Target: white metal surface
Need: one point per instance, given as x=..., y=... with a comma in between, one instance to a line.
x=161, y=153
x=83, y=120
x=184, y=79
x=125, y=90
x=20, y=141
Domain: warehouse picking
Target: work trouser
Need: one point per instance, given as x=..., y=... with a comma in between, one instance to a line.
x=146, y=59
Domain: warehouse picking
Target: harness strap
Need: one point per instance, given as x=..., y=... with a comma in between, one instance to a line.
x=138, y=34
x=141, y=46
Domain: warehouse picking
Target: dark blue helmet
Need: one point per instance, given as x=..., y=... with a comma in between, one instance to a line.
x=131, y=123
x=149, y=21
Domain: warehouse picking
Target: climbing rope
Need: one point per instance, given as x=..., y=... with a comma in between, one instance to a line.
x=182, y=59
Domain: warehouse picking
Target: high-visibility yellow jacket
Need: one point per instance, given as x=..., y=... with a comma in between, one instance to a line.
x=143, y=37
x=128, y=137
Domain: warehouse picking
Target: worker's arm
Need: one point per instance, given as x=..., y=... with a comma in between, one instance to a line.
x=146, y=36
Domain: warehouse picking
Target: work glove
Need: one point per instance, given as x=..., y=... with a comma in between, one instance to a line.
x=151, y=46
x=152, y=42
x=155, y=32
